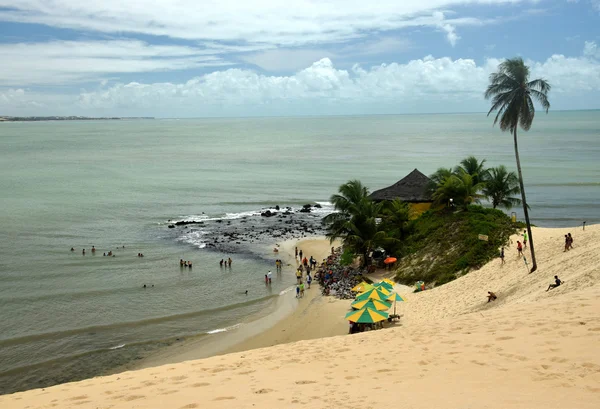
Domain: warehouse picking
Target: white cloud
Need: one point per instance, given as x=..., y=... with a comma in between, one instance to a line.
x=303, y=22
x=590, y=49
x=65, y=62
x=422, y=85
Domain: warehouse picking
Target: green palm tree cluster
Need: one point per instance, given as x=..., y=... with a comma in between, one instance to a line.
x=471, y=181
x=361, y=223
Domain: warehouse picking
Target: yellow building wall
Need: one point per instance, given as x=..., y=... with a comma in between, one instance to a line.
x=416, y=209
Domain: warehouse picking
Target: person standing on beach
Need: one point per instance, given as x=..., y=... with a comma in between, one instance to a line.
x=269, y=276
x=570, y=241
x=519, y=248
x=298, y=276
x=229, y=261
x=301, y=290
x=525, y=239
x=566, y=243
x=296, y=255
x=297, y=290
x=300, y=253
x=502, y=255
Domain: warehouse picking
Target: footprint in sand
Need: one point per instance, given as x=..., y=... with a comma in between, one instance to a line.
x=200, y=384
x=504, y=338
x=307, y=382
x=190, y=406
x=134, y=397
x=263, y=391
x=224, y=397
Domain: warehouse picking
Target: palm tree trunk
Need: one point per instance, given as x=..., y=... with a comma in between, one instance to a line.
x=524, y=200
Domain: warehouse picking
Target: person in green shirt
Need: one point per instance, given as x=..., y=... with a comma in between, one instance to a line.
x=525, y=239
x=301, y=289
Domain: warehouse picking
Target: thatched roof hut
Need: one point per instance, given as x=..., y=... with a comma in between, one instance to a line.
x=412, y=189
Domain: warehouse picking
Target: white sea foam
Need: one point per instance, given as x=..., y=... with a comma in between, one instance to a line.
x=218, y=330
x=195, y=238
x=118, y=346
x=287, y=290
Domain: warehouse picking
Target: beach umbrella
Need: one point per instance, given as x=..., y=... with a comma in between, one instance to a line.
x=387, y=280
x=366, y=316
x=375, y=294
x=362, y=287
x=372, y=304
x=383, y=284
x=394, y=297
x=390, y=260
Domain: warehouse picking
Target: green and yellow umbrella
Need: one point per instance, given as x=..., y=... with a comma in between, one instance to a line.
x=383, y=284
x=362, y=287
x=366, y=316
x=372, y=304
x=394, y=297
x=374, y=294
x=387, y=280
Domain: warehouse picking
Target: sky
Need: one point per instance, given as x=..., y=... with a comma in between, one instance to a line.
x=205, y=58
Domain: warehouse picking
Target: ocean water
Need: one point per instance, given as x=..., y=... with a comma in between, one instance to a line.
x=110, y=184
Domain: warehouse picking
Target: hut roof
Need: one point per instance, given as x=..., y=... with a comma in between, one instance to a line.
x=413, y=188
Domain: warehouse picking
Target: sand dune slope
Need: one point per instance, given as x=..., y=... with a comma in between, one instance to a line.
x=530, y=349
x=578, y=268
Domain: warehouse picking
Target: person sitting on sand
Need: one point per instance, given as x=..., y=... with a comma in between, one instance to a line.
x=519, y=249
x=557, y=282
x=491, y=296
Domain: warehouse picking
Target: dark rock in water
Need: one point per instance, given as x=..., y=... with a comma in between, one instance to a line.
x=171, y=226
x=268, y=213
x=307, y=206
x=186, y=222
x=318, y=206
x=305, y=210
x=277, y=207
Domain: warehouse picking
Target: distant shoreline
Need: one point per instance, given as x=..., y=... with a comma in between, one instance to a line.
x=66, y=118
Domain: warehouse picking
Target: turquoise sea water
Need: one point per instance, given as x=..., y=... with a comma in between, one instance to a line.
x=116, y=183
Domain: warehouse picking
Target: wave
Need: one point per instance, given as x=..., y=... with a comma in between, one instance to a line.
x=117, y=347
x=218, y=330
x=139, y=323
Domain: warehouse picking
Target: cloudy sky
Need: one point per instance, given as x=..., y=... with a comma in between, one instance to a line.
x=196, y=58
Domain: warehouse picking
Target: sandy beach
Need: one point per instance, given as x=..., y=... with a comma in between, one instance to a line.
x=528, y=349
x=291, y=319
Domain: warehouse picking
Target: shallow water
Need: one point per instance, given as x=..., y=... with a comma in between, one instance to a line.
x=114, y=183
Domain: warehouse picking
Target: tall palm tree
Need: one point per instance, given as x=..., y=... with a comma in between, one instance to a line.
x=356, y=219
x=437, y=178
x=473, y=167
x=500, y=187
x=395, y=216
x=511, y=93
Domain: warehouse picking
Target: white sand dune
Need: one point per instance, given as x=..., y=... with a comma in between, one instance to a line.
x=528, y=349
